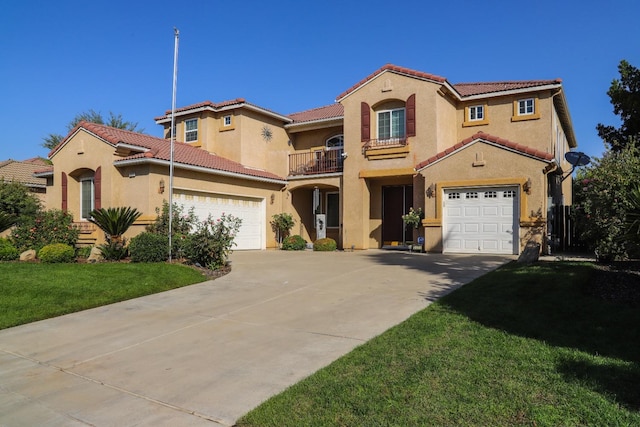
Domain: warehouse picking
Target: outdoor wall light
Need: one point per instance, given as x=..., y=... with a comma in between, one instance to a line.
x=527, y=186
x=161, y=187
x=273, y=198
x=431, y=191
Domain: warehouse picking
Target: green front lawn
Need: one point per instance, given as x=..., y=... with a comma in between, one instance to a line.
x=520, y=346
x=30, y=291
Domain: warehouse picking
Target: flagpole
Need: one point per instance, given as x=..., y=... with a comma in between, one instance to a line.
x=173, y=136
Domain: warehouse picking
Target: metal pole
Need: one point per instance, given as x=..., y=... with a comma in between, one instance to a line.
x=173, y=136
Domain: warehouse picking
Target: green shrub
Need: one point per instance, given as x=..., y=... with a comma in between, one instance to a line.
x=149, y=247
x=282, y=224
x=294, y=243
x=8, y=252
x=210, y=245
x=113, y=251
x=327, y=245
x=46, y=227
x=182, y=224
x=57, y=253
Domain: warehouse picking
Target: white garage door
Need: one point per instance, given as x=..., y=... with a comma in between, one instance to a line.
x=250, y=210
x=481, y=220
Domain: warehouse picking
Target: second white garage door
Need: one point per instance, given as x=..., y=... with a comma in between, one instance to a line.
x=250, y=210
x=481, y=220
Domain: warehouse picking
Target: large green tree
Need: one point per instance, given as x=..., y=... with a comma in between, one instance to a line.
x=16, y=201
x=116, y=121
x=625, y=98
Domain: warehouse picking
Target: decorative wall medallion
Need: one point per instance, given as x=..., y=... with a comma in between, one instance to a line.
x=266, y=133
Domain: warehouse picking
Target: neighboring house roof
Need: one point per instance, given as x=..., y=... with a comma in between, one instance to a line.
x=218, y=107
x=158, y=150
x=490, y=139
x=13, y=170
x=481, y=88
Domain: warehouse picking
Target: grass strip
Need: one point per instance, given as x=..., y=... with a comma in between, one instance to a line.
x=31, y=291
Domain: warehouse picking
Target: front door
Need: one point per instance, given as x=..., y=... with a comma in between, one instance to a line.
x=396, y=201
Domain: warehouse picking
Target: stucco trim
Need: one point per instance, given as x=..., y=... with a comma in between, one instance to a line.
x=140, y=161
x=384, y=173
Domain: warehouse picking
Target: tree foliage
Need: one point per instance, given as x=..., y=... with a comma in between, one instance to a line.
x=16, y=201
x=625, y=98
x=603, y=199
x=113, y=120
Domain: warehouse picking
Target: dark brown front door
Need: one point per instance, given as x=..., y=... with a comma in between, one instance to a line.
x=396, y=201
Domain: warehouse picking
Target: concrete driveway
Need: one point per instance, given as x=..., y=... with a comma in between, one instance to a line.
x=206, y=354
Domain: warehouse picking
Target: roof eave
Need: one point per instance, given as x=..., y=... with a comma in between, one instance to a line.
x=147, y=160
x=314, y=124
x=167, y=118
x=511, y=92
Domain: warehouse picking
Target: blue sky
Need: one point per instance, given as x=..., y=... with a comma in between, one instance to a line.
x=65, y=57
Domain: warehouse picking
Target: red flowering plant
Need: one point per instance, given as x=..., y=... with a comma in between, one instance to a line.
x=43, y=228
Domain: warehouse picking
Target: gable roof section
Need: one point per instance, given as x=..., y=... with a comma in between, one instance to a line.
x=489, y=139
x=158, y=150
x=394, y=69
x=12, y=170
x=219, y=107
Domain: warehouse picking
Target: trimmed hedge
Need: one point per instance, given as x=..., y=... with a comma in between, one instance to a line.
x=149, y=247
x=8, y=252
x=326, y=245
x=57, y=253
x=294, y=243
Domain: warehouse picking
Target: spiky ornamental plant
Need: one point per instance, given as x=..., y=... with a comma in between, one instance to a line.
x=114, y=221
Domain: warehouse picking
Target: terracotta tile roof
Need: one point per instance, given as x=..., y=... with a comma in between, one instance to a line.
x=470, y=89
x=327, y=112
x=160, y=149
x=12, y=170
x=395, y=69
x=523, y=149
x=238, y=102
x=37, y=160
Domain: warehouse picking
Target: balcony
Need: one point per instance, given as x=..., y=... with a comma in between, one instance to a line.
x=390, y=148
x=315, y=163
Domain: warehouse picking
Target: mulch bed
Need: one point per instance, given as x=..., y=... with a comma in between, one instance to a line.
x=617, y=282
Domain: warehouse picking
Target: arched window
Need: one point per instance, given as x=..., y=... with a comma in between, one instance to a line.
x=335, y=142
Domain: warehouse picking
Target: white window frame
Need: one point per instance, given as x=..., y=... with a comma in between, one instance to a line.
x=393, y=132
x=526, y=107
x=335, y=146
x=476, y=113
x=190, y=135
x=84, y=214
x=226, y=120
x=336, y=207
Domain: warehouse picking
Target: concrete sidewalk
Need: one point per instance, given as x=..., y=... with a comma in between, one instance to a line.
x=206, y=354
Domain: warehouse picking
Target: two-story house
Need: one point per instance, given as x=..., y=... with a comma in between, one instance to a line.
x=484, y=161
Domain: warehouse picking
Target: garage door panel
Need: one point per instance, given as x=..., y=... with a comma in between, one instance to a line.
x=249, y=210
x=480, y=220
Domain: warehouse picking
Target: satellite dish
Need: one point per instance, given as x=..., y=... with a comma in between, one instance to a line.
x=577, y=158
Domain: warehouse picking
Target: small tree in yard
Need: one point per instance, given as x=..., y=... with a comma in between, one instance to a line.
x=182, y=224
x=282, y=224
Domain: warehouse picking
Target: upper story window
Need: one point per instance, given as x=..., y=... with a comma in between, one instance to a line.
x=476, y=112
x=525, y=109
x=475, y=115
x=191, y=130
x=391, y=124
x=335, y=143
x=226, y=120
